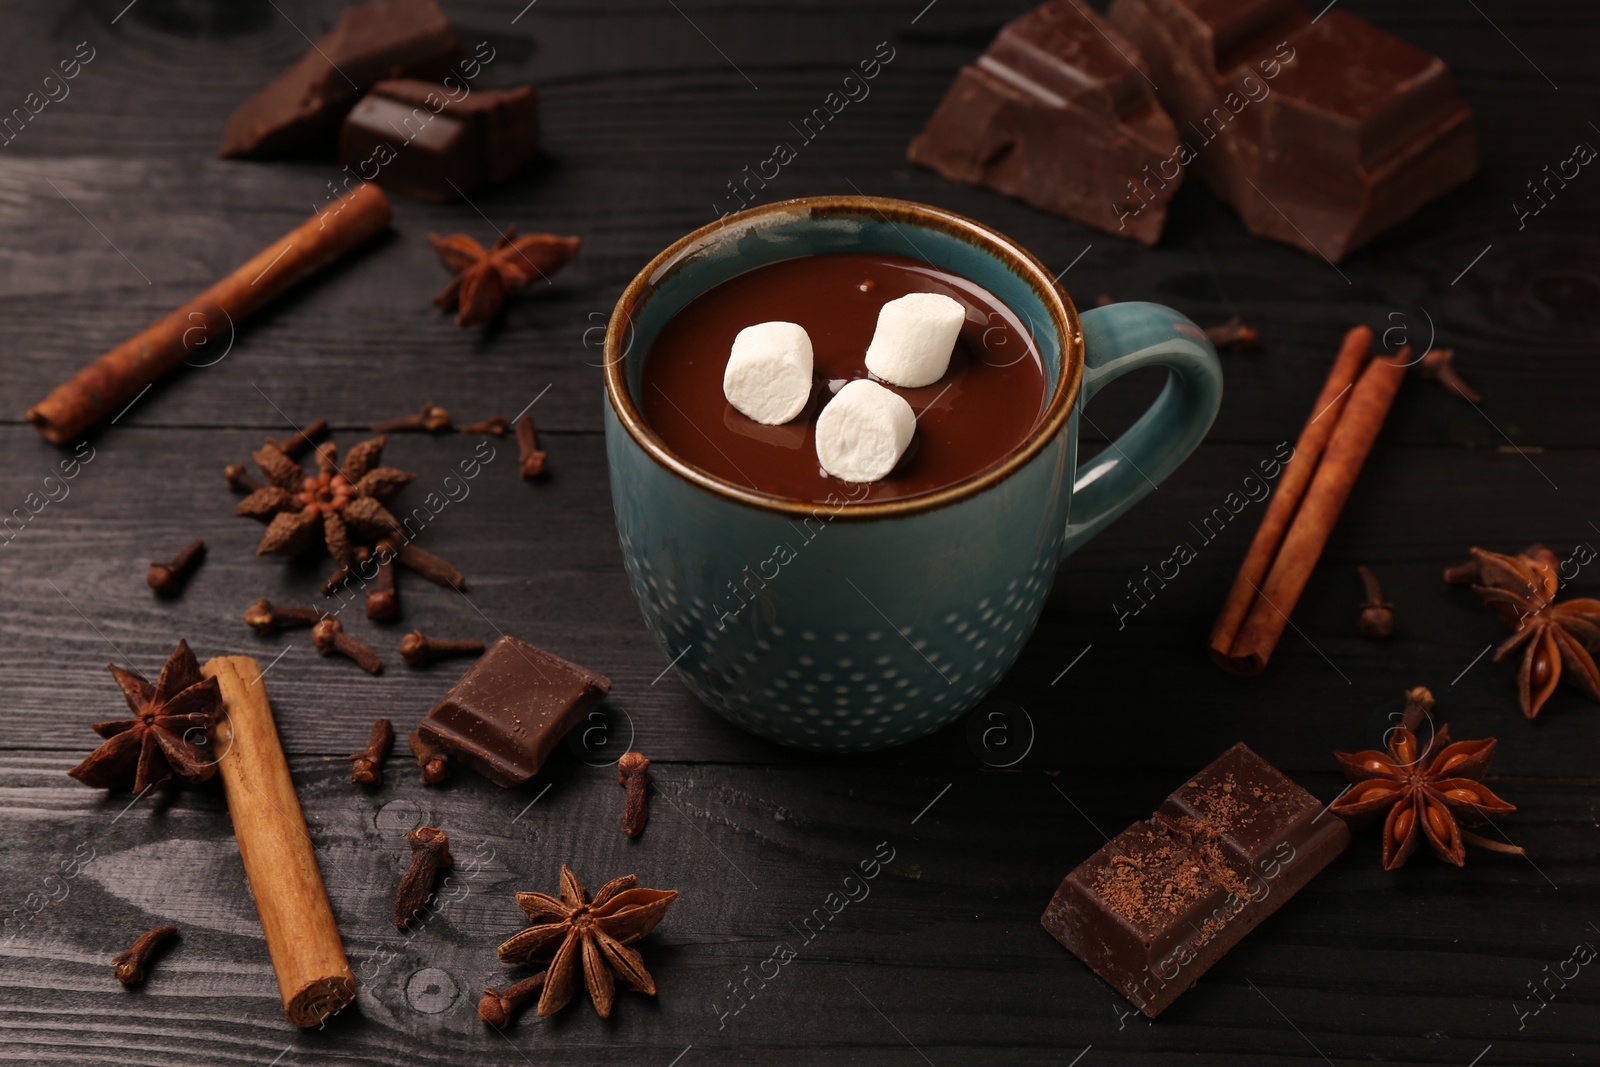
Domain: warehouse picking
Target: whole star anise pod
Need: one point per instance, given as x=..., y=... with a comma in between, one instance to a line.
x=598, y=931
x=484, y=277
x=1428, y=790
x=145, y=751
x=336, y=504
x=1556, y=639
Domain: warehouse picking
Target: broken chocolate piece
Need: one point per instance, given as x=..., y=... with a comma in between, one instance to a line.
x=1058, y=113
x=299, y=111
x=1158, y=905
x=1322, y=133
x=440, y=142
x=511, y=708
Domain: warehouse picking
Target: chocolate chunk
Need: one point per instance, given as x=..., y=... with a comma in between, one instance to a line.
x=440, y=142
x=510, y=709
x=1320, y=134
x=299, y=111
x=1058, y=113
x=1158, y=905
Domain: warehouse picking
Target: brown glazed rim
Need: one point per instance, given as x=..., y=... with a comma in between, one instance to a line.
x=1062, y=312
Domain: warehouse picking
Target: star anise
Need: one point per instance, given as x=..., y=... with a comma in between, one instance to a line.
x=166, y=734
x=1429, y=790
x=1556, y=639
x=484, y=277
x=598, y=930
x=335, y=505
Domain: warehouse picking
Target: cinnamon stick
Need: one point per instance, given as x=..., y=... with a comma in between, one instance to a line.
x=1347, y=449
x=105, y=386
x=1353, y=356
x=314, y=976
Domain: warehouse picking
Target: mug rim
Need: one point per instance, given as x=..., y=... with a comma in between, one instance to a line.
x=1063, y=315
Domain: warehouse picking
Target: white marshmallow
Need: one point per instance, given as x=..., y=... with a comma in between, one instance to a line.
x=768, y=376
x=864, y=431
x=914, y=338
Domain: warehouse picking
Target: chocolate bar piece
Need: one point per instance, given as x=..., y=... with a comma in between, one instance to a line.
x=1320, y=134
x=1158, y=905
x=1058, y=113
x=300, y=110
x=440, y=142
x=510, y=710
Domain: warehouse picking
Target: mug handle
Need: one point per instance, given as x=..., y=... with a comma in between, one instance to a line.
x=1122, y=338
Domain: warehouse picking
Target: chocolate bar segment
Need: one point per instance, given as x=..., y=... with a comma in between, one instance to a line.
x=511, y=708
x=1320, y=134
x=440, y=141
x=299, y=111
x=1164, y=900
x=1058, y=113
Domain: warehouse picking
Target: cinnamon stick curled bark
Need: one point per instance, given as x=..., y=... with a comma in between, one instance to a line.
x=314, y=976
x=105, y=386
x=1298, y=523
x=1353, y=355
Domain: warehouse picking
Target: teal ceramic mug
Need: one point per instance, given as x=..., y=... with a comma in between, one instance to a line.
x=843, y=626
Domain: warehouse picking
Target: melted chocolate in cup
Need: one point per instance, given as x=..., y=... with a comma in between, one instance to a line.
x=981, y=410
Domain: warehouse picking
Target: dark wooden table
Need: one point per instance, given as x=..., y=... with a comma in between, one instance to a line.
x=114, y=209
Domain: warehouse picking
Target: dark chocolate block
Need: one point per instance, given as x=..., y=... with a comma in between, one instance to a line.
x=440, y=142
x=1058, y=114
x=299, y=111
x=510, y=710
x=1158, y=905
x=1320, y=134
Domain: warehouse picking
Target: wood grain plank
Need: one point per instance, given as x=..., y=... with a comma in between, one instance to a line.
x=115, y=210
x=942, y=948
x=635, y=158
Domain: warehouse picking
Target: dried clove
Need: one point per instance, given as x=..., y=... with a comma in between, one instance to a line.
x=129, y=966
x=1419, y=706
x=349, y=569
x=1439, y=365
x=338, y=578
x=435, y=762
x=430, y=855
x=530, y=460
x=329, y=637
x=498, y=1006
x=169, y=578
x=383, y=601
x=239, y=480
x=264, y=618
x=367, y=765
x=633, y=771
x=1468, y=573
x=302, y=440
x=1233, y=334
x=1377, y=614
x=431, y=419
x=425, y=563
x=494, y=426
x=420, y=650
